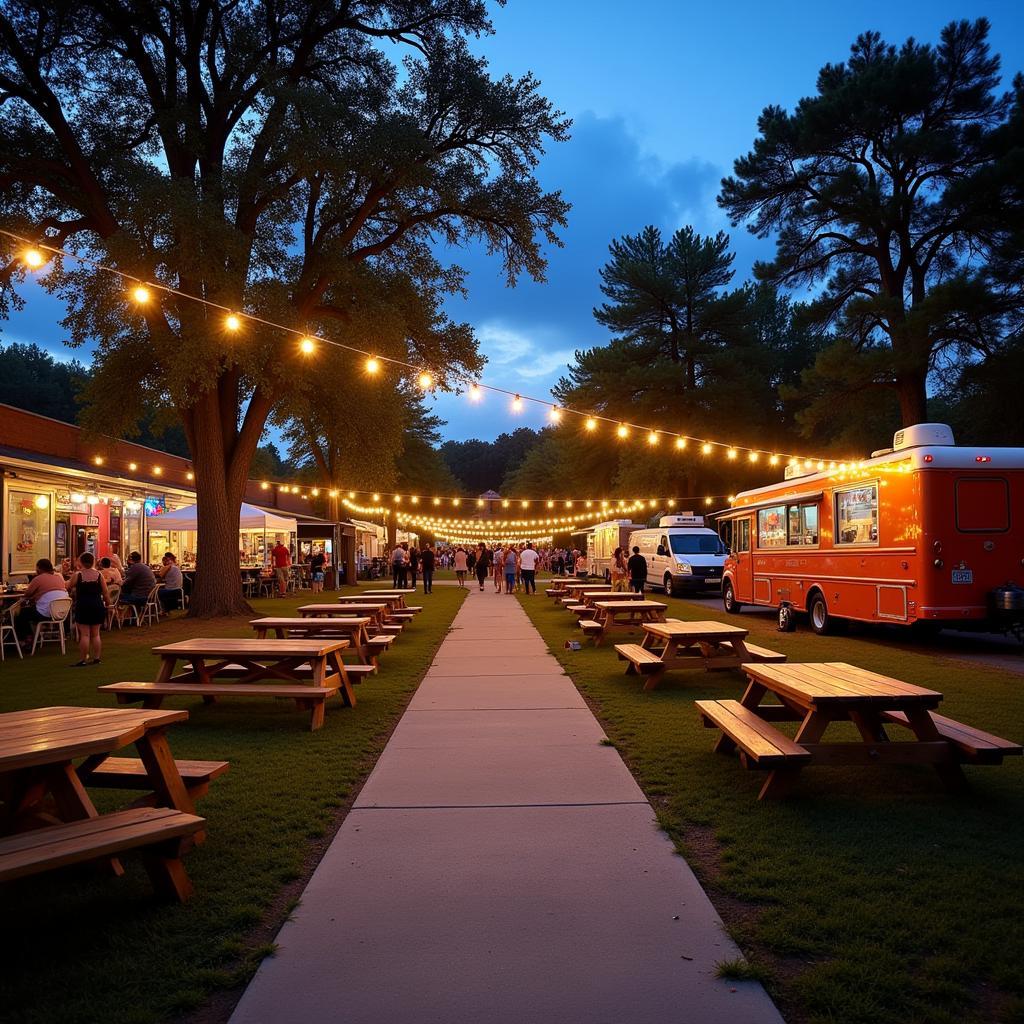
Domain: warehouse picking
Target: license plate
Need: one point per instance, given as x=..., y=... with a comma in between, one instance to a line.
x=963, y=575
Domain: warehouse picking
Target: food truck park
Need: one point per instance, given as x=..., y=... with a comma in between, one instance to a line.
x=511, y=518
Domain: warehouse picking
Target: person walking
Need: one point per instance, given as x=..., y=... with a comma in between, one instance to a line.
x=282, y=560
x=461, y=566
x=483, y=564
x=427, y=565
x=637, y=567
x=528, y=568
x=511, y=561
x=619, y=571
x=89, y=591
x=498, y=567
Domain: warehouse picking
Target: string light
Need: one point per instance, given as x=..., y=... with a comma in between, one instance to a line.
x=34, y=256
x=141, y=294
x=264, y=486
x=652, y=437
x=622, y=430
x=97, y=460
x=307, y=346
x=517, y=404
x=475, y=394
x=133, y=466
x=555, y=415
x=731, y=453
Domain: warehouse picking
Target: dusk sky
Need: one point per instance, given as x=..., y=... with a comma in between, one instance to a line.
x=664, y=96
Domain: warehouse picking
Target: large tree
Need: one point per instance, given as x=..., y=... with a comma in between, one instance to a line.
x=269, y=157
x=885, y=191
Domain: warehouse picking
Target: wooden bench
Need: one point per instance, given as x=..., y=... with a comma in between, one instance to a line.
x=756, y=653
x=393, y=629
x=152, y=695
x=356, y=672
x=761, y=744
x=159, y=832
x=591, y=627
x=973, y=746
x=641, y=661
x=130, y=773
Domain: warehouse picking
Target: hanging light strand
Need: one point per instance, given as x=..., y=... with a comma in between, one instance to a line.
x=235, y=319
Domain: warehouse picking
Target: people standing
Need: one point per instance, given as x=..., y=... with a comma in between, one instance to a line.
x=511, y=562
x=498, y=566
x=281, y=559
x=89, y=591
x=317, y=571
x=427, y=565
x=398, y=567
x=619, y=571
x=637, y=566
x=414, y=565
x=461, y=566
x=483, y=564
x=528, y=568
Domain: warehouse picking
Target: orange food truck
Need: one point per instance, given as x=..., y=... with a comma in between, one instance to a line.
x=922, y=533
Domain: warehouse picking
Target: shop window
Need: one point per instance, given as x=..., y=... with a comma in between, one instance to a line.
x=741, y=535
x=771, y=527
x=983, y=505
x=857, y=515
x=28, y=534
x=803, y=524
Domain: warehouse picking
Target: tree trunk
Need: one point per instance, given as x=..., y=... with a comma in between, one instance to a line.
x=911, y=387
x=392, y=526
x=218, y=585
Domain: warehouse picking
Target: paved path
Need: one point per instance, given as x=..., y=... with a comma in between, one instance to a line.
x=500, y=865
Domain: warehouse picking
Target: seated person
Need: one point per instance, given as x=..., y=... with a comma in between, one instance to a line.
x=138, y=581
x=172, y=592
x=110, y=573
x=45, y=588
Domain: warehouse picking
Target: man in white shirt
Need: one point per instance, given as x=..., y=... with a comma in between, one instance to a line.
x=398, y=557
x=528, y=569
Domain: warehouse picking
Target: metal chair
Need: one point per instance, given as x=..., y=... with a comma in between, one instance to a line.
x=114, y=612
x=8, y=634
x=150, y=610
x=51, y=630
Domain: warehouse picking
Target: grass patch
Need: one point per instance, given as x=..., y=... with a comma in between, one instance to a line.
x=739, y=969
x=85, y=949
x=869, y=896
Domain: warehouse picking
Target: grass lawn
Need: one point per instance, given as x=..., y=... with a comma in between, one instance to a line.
x=869, y=895
x=87, y=949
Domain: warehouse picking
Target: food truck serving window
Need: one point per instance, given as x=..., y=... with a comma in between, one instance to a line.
x=982, y=505
x=803, y=524
x=857, y=515
x=771, y=527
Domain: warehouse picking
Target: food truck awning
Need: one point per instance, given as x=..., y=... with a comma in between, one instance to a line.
x=250, y=518
x=779, y=499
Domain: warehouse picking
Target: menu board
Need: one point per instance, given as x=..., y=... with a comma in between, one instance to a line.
x=29, y=530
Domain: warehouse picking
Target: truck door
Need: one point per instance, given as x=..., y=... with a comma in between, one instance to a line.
x=741, y=551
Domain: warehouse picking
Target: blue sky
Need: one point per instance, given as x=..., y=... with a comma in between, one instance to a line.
x=664, y=96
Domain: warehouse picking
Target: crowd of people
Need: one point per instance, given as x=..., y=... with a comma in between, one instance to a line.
x=92, y=587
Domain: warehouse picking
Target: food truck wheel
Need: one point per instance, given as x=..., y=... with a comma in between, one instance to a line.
x=821, y=621
x=729, y=602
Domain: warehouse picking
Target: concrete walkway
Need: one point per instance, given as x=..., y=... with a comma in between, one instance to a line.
x=500, y=865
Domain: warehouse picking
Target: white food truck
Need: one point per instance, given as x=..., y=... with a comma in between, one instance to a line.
x=605, y=539
x=682, y=554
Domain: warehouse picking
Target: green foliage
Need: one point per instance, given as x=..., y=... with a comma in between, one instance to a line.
x=480, y=466
x=30, y=378
x=891, y=189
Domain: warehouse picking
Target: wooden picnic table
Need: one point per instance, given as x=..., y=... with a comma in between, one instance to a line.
x=396, y=598
x=817, y=695
x=44, y=801
x=306, y=671
x=615, y=615
x=353, y=627
x=392, y=601
x=377, y=610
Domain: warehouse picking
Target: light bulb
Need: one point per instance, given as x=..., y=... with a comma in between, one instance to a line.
x=98, y=460
x=652, y=437
x=479, y=502
x=680, y=442
x=622, y=430
x=437, y=501
x=315, y=492
x=307, y=346
x=505, y=503
x=376, y=497
x=705, y=448
x=332, y=494
x=426, y=381
x=33, y=258
x=456, y=501
x=42, y=502
x=707, y=501
x=551, y=504
x=731, y=453
x=373, y=365
x=774, y=460
x=753, y=456
x=397, y=499
x=591, y=423
x=133, y=466
x=190, y=475
x=141, y=294
x=555, y=415
x=77, y=497
x=526, y=504
x=264, y=486
x=157, y=470
x=232, y=322
x=517, y=404
x=415, y=500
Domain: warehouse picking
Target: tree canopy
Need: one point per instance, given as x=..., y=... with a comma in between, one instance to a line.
x=891, y=192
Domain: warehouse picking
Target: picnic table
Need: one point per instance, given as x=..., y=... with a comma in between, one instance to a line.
x=307, y=671
x=395, y=596
x=675, y=644
x=612, y=615
x=376, y=610
x=47, y=819
x=352, y=627
x=817, y=695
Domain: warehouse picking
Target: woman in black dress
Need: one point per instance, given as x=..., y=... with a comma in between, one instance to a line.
x=89, y=590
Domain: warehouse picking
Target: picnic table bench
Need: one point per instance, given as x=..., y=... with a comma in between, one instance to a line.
x=676, y=644
x=816, y=695
x=624, y=615
x=53, y=820
x=307, y=671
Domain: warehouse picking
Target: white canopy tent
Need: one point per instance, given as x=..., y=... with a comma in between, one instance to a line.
x=177, y=529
